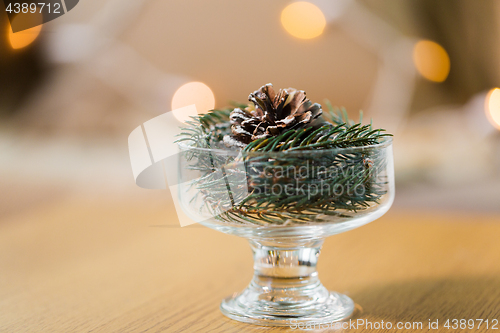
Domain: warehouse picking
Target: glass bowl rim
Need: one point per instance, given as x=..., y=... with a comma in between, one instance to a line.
x=386, y=142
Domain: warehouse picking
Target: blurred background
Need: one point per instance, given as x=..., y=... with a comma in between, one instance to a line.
x=73, y=89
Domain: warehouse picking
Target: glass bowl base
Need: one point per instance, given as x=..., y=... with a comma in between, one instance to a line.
x=332, y=308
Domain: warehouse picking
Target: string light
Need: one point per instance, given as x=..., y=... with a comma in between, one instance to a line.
x=492, y=107
x=26, y=37
x=303, y=20
x=190, y=93
x=431, y=60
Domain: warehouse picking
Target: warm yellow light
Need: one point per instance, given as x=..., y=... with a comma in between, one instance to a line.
x=190, y=93
x=492, y=107
x=303, y=20
x=24, y=38
x=431, y=60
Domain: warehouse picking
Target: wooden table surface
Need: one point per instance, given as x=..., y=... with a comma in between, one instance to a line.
x=99, y=265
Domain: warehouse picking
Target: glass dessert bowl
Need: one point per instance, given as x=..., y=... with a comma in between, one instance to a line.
x=286, y=203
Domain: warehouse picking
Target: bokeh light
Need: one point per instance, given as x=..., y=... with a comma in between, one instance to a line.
x=190, y=93
x=431, y=60
x=492, y=107
x=303, y=20
x=24, y=38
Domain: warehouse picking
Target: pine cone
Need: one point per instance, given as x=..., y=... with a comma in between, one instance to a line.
x=271, y=114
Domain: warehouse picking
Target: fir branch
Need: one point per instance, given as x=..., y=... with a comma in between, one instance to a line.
x=261, y=207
